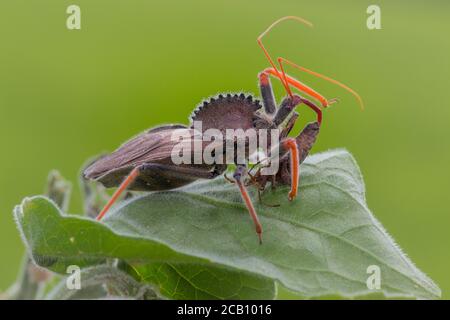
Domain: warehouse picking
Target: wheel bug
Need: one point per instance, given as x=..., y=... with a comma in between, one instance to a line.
x=144, y=162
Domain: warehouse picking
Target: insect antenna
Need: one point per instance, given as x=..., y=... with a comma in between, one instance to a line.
x=266, y=53
x=326, y=78
x=287, y=81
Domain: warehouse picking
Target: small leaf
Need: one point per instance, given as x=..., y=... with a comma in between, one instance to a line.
x=58, y=189
x=320, y=244
x=100, y=282
x=27, y=286
x=93, y=193
x=31, y=280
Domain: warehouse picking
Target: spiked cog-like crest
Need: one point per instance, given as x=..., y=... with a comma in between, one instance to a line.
x=227, y=112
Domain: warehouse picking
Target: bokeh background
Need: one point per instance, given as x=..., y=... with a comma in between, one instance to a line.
x=66, y=95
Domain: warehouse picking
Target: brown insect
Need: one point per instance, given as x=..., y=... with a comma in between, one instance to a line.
x=145, y=162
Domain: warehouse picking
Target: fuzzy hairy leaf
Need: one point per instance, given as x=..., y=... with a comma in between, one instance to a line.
x=320, y=244
x=195, y=281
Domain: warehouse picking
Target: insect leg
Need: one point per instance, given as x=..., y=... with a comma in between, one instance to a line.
x=287, y=105
x=289, y=125
x=267, y=93
x=123, y=186
x=238, y=174
x=158, y=172
x=299, y=85
x=290, y=144
x=304, y=142
x=306, y=139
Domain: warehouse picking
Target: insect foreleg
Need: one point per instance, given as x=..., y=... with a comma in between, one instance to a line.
x=285, y=109
x=267, y=93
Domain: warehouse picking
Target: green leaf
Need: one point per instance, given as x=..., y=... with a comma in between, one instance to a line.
x=72, y=240
x=320, y=244
x=194, y=281
x=56, y=240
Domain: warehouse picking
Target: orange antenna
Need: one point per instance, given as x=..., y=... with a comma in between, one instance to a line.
x=286, y=80
x=266, y=53
x=316, y=74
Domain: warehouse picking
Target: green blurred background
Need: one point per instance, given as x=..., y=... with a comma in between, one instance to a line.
x=66, y=95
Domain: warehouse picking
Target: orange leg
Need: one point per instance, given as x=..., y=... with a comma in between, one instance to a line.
x=240, y=170
x=300, y=86
x=123, y=186
x=291, y=145
x=265, y=87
